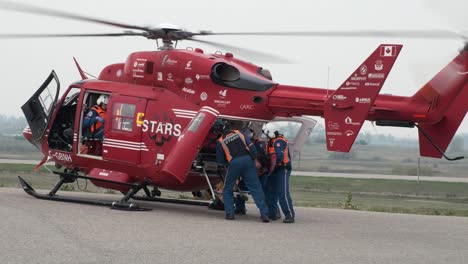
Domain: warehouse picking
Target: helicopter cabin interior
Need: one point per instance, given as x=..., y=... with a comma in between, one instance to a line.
x=206, y=157
x=62, y=130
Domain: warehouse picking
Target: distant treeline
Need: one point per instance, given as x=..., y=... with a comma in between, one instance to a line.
x=11, y=138
x=317, y=136
x=11, y=135
x=10, y=125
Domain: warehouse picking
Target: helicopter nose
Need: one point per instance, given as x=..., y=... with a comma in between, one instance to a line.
x=27, y=134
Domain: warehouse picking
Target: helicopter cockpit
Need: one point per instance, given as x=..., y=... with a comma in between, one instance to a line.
x=61, y=133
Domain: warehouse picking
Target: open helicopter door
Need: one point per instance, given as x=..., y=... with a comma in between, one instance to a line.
x=188, y=144
x=39, y=108
x=297, y=141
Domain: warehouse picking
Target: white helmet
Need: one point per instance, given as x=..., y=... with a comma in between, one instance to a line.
x=103, y=99
x=269, y=130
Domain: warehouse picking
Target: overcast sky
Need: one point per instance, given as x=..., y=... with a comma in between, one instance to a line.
x=24, y=64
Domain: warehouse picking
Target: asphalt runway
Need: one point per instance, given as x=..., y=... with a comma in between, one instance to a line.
x=38, y=231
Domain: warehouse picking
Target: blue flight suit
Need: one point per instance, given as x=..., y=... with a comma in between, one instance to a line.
x=278, y=182
x=94, y=117
x=238, y=151
x=262, y=157
x=260, y=146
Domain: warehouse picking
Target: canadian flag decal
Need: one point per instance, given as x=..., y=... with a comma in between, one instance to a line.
x=388, y=51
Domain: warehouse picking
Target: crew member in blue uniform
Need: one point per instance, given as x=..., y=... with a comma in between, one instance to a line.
x=93, y=123
x=278, y=183
x=93, y=126
x=238, y=151
x=261, y=164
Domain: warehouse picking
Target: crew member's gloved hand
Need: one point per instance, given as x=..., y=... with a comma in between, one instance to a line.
x=100, y=119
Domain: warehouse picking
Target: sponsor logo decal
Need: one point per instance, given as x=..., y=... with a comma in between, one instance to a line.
x=170, y=61
x=333, y=125
x=349, y=133
x=358, y=78
x=188, y=80
x=203, y=96
x=372, y=84
x=349, y=121
x=200, y=77
x=362, y=100
x=246, y=107
x=222, y=103
x=160, y=76
x=138, y=66
x=376, y=76
x=223, y=93
x=339, y=97
x=348, y=88
x=187, y=90
x=188, y=66
x=348, y=83
x=378, y=66
x=363, y=69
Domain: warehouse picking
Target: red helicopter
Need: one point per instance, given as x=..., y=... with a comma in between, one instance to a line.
x=162, y=105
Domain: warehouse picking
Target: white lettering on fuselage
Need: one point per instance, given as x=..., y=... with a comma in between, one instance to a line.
x=167, y=129
x=61, y=156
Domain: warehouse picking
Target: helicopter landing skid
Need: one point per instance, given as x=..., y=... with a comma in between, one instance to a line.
x=169, y=200
x=151, y=197
x=121, y=205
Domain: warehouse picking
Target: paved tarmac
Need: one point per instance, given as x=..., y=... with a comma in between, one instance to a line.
x=38, y=231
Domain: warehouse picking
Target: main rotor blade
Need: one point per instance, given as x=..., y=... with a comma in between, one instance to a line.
x=24, y=8
x=25, y=36
x=438, y=34
x=247, y=53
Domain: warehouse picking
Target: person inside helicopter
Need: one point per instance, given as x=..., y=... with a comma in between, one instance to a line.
x=93, y=127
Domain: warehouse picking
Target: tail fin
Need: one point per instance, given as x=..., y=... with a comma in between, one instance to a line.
x=446, y=96
x=347, y=108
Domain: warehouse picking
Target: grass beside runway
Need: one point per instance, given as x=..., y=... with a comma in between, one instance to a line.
x=397, y=196
x=400, y=196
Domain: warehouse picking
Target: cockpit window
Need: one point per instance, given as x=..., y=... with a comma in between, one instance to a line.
x=72, y=99
x=229, y=76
